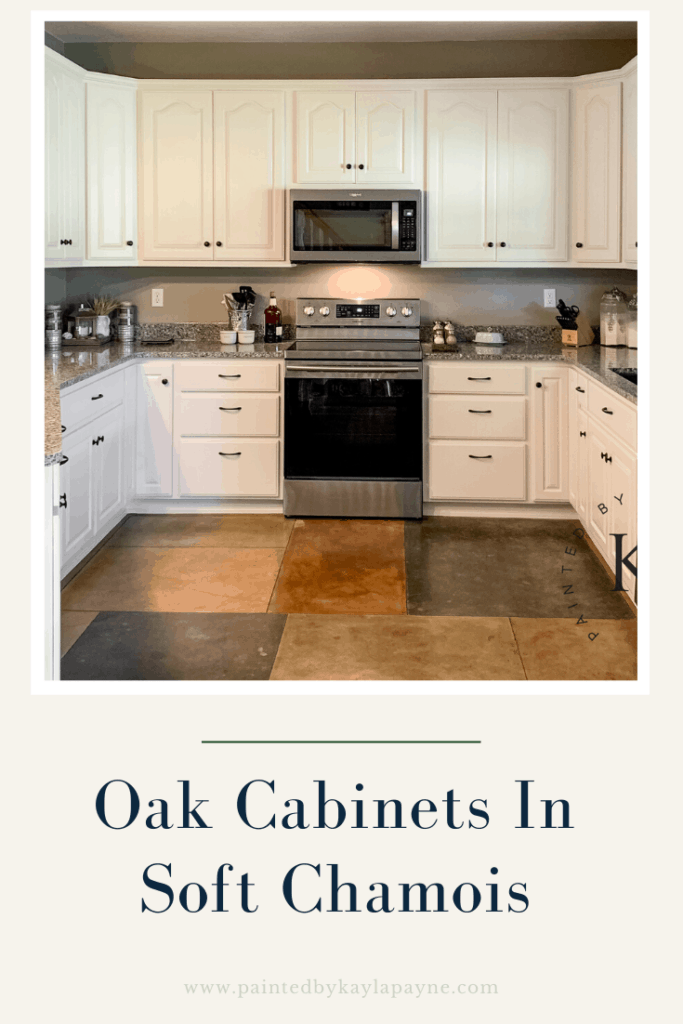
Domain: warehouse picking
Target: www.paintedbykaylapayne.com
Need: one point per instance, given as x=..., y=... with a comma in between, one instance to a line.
x=335, y=989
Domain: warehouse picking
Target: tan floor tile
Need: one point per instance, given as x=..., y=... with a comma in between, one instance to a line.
x=384, y=647
x=121, y=579
x=73, y=625
x=559, y=649
x=343, y=566
x=215, y=531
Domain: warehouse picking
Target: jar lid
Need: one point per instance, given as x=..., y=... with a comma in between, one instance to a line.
x=84, y=314
x=53, y=307
x=122, y=304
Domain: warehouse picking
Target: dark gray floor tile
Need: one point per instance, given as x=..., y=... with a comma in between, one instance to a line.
x=193, y=645
x=505, y=567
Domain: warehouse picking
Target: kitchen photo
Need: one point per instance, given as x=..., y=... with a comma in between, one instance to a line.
x=341, y=350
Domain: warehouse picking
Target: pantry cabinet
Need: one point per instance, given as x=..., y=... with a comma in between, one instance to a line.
x=345, y=137
x=497, y=165
x=111, y=170
x=64, y=160
x=597, y=173
x=630, y=170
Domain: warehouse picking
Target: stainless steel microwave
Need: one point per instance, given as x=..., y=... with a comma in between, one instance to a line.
x=355, y=226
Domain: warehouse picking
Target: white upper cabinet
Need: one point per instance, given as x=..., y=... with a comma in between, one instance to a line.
x=347, y=138
x=461, y=175
x=533, y=154
x=249, y=151
x=176, y=142
x=597, y=173
x=111, y=170
x=65, y=160
x=630, y=170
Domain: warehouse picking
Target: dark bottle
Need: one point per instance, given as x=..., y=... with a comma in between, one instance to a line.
x=273, y=317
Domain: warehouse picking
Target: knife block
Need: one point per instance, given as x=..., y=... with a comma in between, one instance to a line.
x=583, y=335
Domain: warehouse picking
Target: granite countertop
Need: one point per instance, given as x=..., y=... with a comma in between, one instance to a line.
x=595, y=360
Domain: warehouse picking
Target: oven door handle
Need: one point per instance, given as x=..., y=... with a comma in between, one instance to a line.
x=394, y=225
x=383, y=368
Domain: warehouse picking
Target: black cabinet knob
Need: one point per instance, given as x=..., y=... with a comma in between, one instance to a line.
x=579, y=245
x=636, y=245
x=538, y=384
x=348, y=167
x=502, y=245
x=207, y=244
x=165, y=380
x=582, y=433
x=129, y=243
x=219, y=244
x=490, y=245
x=361, y=166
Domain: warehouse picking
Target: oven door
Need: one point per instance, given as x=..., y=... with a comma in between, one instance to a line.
x=353, y=423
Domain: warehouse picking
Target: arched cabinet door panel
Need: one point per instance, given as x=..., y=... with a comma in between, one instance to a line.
x=597, y=174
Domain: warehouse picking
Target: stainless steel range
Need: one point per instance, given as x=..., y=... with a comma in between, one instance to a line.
x=353, y=409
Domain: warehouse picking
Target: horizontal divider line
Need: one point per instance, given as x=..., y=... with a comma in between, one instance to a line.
x=341, y=741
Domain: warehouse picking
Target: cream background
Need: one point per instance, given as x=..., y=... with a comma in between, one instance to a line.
x=596, y=945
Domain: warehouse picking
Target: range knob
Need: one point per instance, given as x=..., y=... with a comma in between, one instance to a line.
x=309, y=310
x=324, y=310
x=390, y=311
x=407, y=311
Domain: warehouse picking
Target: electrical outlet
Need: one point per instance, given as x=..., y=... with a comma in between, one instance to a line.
x=158, y=296
x=549, y=300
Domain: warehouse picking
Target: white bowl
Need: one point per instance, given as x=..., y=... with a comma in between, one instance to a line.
x=228, y=337
x=246, y=337
x=489, y=338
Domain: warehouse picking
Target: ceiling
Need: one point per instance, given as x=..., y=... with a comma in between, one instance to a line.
x=336, y=32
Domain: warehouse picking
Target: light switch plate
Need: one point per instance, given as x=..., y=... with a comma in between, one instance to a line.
x=549, y=300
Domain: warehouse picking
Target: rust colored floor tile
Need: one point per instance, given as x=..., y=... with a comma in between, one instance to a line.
x=386, y=647
x=123, y=579
x=73, y=625
x=560, y=649
x=215, y=531
x=343, y=566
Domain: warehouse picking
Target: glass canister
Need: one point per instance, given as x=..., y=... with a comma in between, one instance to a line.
x=613, y=318
x=632, y=323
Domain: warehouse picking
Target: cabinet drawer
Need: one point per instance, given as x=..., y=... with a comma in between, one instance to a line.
x=494, y=418
x=619, y=418
x=225, y=415
x=484, y=378
x=228, y=375
x=202, y=470
x=79, y=406
x=458, y=470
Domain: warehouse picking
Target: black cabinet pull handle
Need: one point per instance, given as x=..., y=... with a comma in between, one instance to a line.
x=579, y=245
x=234, y=408
x=490, y=245
x=502, y=245
x=62, y=500
x=95, y=440
x=581, y=390
x=164, y=380
x=608, y=412
x=63, y=428
x=608, y=458
x=93, y=398
x=207, y=244
x=582, y=433
x=481, y=456
x=226, y=375
x=129, y=243
x=63, y=461
x=219, y=244
x=348, y=167
x=100, y=438
x=229, y=453
x=479, y=378
x=480, y=410
x=539, y=384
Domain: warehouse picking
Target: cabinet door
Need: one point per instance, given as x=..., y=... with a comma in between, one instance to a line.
x=154, y=432
x=461, y=175
x=573, y=439
x=325, y=137
x=249, y=178
x=54, y=217
x=109, y=489
x=177, y=175
x=72, y=159
x=599, y=493
x=385, y=137
x=597, y=170
x=111, y=171
x=548, y=398
x=77, y=489
x=630, y=161
x=533, y=154
x=582, y=464
x=622, y=503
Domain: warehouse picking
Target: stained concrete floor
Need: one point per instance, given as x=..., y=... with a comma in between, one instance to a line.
x=258, y=597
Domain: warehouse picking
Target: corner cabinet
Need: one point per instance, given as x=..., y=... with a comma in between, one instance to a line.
x=343, y=137
x=64, y=161
x=597, y=173
x=111, y=170
x=630, y=170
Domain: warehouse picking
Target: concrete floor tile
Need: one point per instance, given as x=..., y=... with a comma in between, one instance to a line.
x=73, y=625
x=242, y=530
x=175, y=580
x=343, y=566
x=561, y=649
x=389, y=647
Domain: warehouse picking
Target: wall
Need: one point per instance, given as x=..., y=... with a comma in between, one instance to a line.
x=55, y=287
x=470, y=297
x=460, y=59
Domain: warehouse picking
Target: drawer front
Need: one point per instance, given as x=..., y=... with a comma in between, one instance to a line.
x=202, y=470
x=89, y=401
x=458, y=470
x=620, y=419
x=482, y=378
x=224, y=415
x=494, y=418
x=228, y=375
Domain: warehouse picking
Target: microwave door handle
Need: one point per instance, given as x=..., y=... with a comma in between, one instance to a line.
x=394, y=225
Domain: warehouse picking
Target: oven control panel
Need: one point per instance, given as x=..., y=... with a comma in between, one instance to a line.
x=394, y=312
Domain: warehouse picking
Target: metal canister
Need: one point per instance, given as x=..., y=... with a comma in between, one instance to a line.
x=126, y=318
x=53, y=326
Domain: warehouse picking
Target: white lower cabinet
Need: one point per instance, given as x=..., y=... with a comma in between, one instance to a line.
x=228, y=467
x=548, y=398
x=485, y=472
x=77, y=492
x=110, y=498
x=154, y=430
